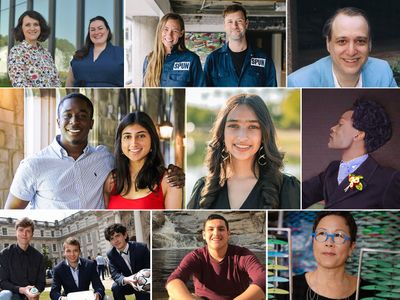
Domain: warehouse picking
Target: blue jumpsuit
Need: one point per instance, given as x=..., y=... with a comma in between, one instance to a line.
x=180, y=69
x=258, y=69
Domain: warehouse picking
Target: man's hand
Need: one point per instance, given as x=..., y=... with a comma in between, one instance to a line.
x=131, y=280
x=175, y=176
x=97, y=296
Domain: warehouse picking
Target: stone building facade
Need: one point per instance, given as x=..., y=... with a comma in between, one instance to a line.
x=87, y=226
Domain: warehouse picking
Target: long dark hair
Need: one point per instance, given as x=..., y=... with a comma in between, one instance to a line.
x=81, y=53
x=150, y=175
x=269, y=173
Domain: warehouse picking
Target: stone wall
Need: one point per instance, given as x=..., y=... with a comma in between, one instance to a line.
x=183, y=229
x=11, y=137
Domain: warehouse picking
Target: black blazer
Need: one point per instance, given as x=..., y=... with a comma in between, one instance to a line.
x=139, y=256
x=63, y=277
x=381, y=187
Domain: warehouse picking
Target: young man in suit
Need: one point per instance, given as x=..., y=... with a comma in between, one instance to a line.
x=357, y=181
x=75, y=274
x=125, y=258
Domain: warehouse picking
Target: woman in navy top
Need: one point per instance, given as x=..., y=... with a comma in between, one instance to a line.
x=171, y=64
x=98, y=63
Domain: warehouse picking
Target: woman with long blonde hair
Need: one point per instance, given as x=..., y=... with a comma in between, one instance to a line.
x=171, y=64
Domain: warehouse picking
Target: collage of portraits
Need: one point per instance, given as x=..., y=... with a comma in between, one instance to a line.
x=201, y=149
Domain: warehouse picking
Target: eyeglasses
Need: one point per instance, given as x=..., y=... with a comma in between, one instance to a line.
x=337, y=237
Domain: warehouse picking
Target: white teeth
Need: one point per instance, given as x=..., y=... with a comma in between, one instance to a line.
x=74, y=131
x=134, y=150
x=242, y=146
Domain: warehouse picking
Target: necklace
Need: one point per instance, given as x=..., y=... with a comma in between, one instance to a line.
x=311, y=295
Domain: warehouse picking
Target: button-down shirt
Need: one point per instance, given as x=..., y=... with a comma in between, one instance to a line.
x=125, y=256
x=74, y=271
x=346, y=168
x=258, y=69
x=21, y=268
x=51, y=179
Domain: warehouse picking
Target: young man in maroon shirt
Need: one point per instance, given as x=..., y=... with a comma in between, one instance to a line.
x=220, y=271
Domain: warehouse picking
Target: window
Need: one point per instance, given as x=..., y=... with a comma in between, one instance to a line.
x=54, y=248
x=89, y=238
x=42, y=233
x=4, y=231
x=52, y=233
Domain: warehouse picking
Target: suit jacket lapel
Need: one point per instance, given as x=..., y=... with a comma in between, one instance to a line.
x=69, y=274
x=366, y=170
x=132, y=256
x=121, y=260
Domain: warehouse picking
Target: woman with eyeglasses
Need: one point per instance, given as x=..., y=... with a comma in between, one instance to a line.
x=334, y=239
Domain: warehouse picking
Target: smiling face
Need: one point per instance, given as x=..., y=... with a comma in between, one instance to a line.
x=216, y=235
x=328, y=254
x=349, y=45
x=71, y=253
x=118, y=240
x=235, y=26
x=171, y=33
x=75, y=121
x=135, y=142
x=343, y=133
x=98, y=32
x=242, y=133
x=30, y=29
x=24, y=236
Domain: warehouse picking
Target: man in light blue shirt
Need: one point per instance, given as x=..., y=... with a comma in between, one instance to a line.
x=68, y=173
x=348, y=41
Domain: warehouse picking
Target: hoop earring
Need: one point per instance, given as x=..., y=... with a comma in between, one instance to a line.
x=224, y=154
x=262, y=160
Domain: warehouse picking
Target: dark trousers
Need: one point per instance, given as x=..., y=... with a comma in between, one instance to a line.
x=100, y=270
x=119, y=292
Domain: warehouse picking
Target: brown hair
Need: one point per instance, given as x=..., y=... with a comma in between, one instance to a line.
x=25, y=222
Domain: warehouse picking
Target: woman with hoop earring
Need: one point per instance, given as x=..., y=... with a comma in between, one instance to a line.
x=244, y=162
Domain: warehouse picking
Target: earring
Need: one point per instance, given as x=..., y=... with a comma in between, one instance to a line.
x=262, y=160
x=224, y=154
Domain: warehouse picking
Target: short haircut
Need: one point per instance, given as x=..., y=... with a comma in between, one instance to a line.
x=234, y=8
x=371, y=118
x=347, y=216
x=115, y=228
x=347, y=11
x=216, y=217
x=72, y=241
x=24, y=223
x=78, y=96
x=44, y=28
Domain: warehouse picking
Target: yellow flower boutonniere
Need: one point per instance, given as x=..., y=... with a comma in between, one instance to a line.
x=354, y=181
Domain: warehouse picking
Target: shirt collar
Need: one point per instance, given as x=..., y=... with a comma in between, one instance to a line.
x=225, y=48
x=353, y=164
x=19, y=250
x=125, y=249
x=61, y=152
x=336, y=82
x=67, y=263
x=29, y=46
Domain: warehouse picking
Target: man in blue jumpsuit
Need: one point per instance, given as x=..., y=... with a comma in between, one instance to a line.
x=237, y=63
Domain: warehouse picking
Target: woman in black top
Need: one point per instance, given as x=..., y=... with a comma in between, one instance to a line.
x=244, y=162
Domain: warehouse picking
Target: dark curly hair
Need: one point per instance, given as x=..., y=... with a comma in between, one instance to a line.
x=150, y=175
x=347, y=216
x=115, y=228
x=44, y=28
x=371, y=118
x=81, y=53
x=269, y=173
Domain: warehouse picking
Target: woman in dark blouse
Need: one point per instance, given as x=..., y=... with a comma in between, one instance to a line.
x=244, y=162
x=99, y=63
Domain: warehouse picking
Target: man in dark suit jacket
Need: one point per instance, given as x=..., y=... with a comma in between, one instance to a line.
x=75, y=274
x=125, y=259
x=357, y=181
